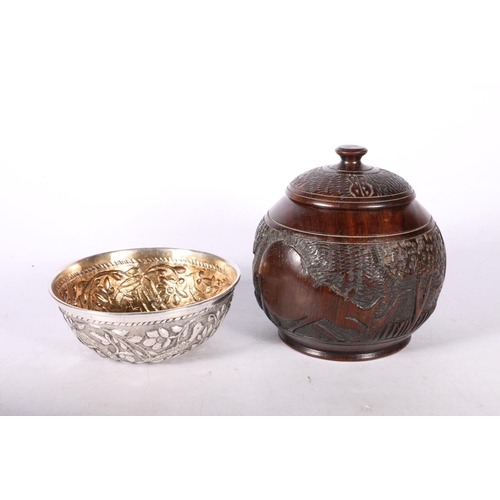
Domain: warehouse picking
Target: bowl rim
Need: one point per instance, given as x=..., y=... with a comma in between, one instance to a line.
x=131, y=316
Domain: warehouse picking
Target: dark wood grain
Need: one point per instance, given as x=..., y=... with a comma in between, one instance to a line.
x=348, y=265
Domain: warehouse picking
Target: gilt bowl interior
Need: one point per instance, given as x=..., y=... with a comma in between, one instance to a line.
x=144, y=280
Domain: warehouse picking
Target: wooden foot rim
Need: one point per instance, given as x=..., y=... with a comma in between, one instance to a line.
x=344, y=356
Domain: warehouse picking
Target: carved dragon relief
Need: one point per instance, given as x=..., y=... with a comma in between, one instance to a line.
x=397, y=281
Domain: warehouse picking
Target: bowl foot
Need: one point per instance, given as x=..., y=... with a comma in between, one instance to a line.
x=346, y=353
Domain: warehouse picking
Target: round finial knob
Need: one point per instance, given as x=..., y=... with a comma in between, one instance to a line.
x=351, y=157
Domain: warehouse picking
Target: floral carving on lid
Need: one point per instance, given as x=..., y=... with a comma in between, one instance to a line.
x=349, y=182
x=329, y=181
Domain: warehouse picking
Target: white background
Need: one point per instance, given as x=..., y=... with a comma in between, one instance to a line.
x=127, y=125
x=132, y=124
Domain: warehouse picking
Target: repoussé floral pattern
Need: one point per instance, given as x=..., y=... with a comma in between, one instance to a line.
x=152, y=342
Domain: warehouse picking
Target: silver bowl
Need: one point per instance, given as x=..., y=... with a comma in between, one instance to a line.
x=145, y=305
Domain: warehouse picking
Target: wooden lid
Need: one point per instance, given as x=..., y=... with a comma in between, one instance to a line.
x=350, y=184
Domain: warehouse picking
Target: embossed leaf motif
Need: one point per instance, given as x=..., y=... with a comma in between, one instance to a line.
x=162, y=341
x=102, y=339
x=126, y=357
x=157, y=339
x=163, y=332
x=135, y=340
x=120, y=332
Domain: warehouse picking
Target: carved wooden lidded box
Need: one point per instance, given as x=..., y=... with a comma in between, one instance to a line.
x=348, y=264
